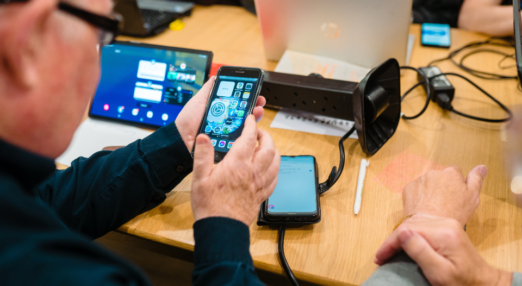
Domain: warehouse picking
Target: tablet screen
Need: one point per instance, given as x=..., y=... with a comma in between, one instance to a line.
x=148, y=85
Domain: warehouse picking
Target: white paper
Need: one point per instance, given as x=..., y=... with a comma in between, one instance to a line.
x=93, y=135
x=304, y=64
x=312, y=123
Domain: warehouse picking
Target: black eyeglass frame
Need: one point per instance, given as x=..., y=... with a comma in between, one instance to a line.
x=111, y=26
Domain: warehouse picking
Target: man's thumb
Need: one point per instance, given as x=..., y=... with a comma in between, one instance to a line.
x=203, y=157
x=476, y=177
x=420, y=251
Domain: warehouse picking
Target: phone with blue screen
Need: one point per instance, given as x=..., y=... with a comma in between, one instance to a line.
x=296, y=195
x=232, y=98
x=436, y=35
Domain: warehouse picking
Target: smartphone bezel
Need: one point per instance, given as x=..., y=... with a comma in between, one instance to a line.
x=433, y=45
x=231, y=71
x=303, y=216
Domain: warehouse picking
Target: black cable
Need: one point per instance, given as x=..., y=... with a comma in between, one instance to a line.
x=510, y=115
x=281, y=247
x=477, y=73
x=336, y=172
x=428, y=97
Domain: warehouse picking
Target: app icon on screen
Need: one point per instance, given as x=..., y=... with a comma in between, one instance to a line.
x=248, y=86
x=246, y=94
x=226, y=130
x=225, y=88
x=240, y=113
x=121, y=109
x=217, y=130
x=165, y=117
x=222, y=143
x=234, y=104
x=106, y=107
x=230, y=145
x=213, y=141
x=243, y=104
x=149, y=114
x=135, y=111
x=218, y=111
x=208, y=129
x=237, y=94
x=238, y=122
x=271, y=207
x=240, y=85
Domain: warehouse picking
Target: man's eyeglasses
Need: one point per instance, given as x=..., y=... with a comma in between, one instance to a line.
x=109, y=26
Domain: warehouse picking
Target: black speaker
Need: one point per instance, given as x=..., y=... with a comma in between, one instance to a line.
x=374, y=103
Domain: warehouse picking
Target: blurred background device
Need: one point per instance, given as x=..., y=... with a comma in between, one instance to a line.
x=365, y=33
x=436, y=35
x=144, y=18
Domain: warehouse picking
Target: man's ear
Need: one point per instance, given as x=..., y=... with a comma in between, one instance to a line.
x=22, y=41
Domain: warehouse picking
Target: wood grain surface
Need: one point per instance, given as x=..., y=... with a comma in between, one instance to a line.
x=340, y=249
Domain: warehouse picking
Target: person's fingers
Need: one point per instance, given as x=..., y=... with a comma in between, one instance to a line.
x=261, y=101
x=476, y=178
x=203, y=158
x=245, y=145
x=455, y=171
x=258, y=113
x=272, y=173
x=421, y=252
x=204, y=92
x=264, y=152
x=388, y=249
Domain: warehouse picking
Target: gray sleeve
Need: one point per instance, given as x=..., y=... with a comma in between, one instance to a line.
x=517, y=279
x=401, y=271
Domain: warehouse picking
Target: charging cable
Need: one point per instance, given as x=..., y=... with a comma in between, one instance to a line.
x=282, y=257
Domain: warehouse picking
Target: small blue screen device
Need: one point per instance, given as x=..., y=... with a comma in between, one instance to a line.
x=436, y=35
x=296, y=193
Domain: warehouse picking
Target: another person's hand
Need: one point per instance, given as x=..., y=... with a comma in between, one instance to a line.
x=445, y=193
x=236, y=187
x=190, y=116
x=443, y=251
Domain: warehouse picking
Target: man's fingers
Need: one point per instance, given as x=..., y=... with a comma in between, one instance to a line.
x=205, y=89
x=476, y=178
x=421, y=252
x=203, y=158
x=264, y=153
x=261, y=101
x=388, y=249
x=258, y=113
x=245, y=145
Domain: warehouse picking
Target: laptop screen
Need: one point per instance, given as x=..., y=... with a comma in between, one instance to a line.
x=148, y=85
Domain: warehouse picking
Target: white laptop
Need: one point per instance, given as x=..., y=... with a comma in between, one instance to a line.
x=362, y=32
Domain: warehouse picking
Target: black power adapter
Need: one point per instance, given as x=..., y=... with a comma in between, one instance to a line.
x=441, y=90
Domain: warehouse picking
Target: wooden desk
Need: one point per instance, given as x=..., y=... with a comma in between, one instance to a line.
x=340, y=249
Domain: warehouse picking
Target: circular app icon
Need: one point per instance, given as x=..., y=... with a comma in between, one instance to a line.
x=105, y=107
x=149, y=114
x=218, y=109
x=208, y=129
x=165, y=117
x=135, y=111
x=121, y=109
x=183, y=66
x=217, y=129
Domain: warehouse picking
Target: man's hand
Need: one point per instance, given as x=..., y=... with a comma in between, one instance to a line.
x=445, y=193
x=190, y=116
x=443, y=251
x=236, y=187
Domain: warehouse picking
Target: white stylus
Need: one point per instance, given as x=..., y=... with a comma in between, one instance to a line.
x=360, y=184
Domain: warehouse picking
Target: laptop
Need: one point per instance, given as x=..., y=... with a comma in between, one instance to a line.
x=362, y=32
x=145, y=18
x=147, y=85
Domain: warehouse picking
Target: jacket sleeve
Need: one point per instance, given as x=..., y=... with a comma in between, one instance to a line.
x=100, y=193
x=222, y=253
x=401, y=270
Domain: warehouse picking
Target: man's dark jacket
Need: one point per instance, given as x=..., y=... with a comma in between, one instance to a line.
x=48, y=217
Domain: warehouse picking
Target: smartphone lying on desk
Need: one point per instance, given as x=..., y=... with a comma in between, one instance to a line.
x=231, y=100
x=296, y=195
x=436, y=35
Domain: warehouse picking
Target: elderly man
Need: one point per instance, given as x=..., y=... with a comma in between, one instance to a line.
x=49, y=69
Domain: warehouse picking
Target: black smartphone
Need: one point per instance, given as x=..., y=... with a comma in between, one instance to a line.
x=296, y=195
x=436, y=35
x=232, y=99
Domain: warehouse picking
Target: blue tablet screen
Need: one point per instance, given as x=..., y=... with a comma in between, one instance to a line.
x=147, y=85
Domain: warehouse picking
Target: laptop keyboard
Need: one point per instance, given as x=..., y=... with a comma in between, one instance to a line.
x=153, y=18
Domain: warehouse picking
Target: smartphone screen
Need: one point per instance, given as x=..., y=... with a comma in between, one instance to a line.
x=296, y=189
x=436, y=35
x=231, y=100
